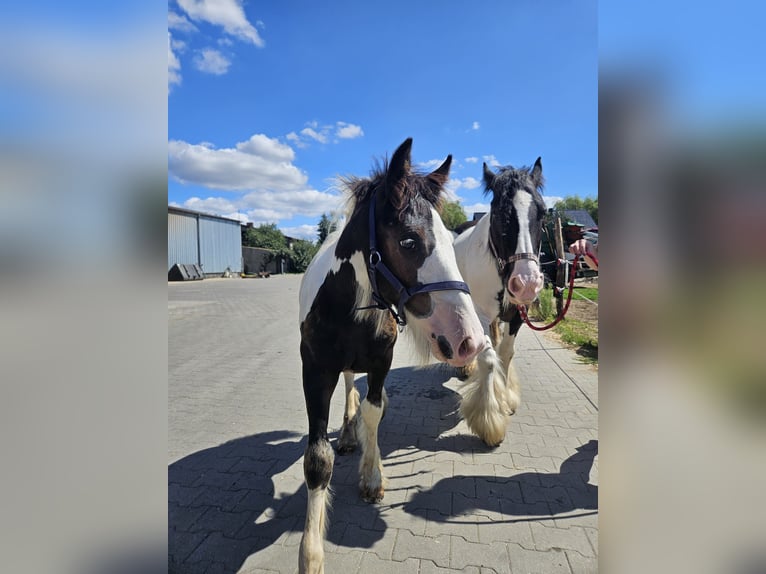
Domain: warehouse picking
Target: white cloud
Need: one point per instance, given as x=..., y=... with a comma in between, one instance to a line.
x=287, y=204
x=296, y=140
x=456, y=183
x=348, y=131
x=470, y=183
x=321, y=137
x=178, y=45
x=251, y=165
x=475, y=208
x=550, y=200
x=430, y=165
x=309, y=232
x=269, y=206
x=174, y=66
x=475, y=126
x=260, y=166
x=217, y=205
x=228, y=14
x=491, y=161
x=267, y=148
x=180, y=23
x=472, y=159
x=314, y=131
x=212, y=62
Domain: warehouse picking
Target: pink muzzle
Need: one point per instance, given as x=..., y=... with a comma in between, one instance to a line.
x=526, y=282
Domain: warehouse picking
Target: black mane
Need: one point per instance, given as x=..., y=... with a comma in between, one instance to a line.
x=509, y=177
x=415, y=184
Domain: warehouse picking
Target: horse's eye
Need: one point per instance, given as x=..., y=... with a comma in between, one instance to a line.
x=408, y=243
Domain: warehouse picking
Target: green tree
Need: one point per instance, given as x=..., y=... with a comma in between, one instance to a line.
x=301, y=254
x=453, y=214
x=265, y=236
x=325, y=226
x=573, y=202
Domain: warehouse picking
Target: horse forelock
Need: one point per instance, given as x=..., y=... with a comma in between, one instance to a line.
x=509, y=178
x=413, y=186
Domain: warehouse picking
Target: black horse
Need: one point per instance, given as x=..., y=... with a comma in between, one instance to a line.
x=391, y=265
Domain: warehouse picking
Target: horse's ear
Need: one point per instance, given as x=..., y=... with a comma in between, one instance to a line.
x=399, y=166
x=441, y=174
x=489, y=176
x=537, y=172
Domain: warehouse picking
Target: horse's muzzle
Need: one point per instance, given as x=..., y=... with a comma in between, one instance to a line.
x=525, y=283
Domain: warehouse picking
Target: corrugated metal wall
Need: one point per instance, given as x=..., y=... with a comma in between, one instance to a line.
x=220, y=245
x=216, y=244
x=182, y=239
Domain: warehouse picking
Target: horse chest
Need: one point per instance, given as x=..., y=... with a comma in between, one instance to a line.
x=331, y=333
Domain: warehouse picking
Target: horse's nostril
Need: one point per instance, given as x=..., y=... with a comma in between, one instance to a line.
x=466, y=348
x=444, y=346
x=516, y=285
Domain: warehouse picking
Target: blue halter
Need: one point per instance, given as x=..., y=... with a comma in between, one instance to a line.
x=375, y=263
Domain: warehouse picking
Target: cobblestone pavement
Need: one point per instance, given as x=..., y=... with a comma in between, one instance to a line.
x=236, y=426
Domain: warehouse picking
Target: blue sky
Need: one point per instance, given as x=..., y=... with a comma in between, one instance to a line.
x=268, y=102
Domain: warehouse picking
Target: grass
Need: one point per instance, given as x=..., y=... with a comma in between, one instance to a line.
x=574, y=332
x=588, y=292
x=581, y=335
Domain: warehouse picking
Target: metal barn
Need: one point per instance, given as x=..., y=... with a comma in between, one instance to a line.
x=212, y=242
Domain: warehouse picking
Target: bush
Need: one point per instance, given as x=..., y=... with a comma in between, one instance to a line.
x=545, y=306
x=301, y=255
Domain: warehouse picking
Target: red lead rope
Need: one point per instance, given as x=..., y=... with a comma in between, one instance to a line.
x=523, y=309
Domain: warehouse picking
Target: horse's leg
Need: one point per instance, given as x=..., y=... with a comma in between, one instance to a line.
x=371, y=482
x=317, y=468
x=506, y=351
x=485, y=402
x=347, y=441
x=495, y=332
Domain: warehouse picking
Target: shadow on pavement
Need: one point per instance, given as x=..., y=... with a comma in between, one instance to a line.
x=528, y=494
x=223, y=506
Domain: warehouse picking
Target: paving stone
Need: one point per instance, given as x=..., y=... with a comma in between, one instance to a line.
x=436, y=549
x=494, y=556
x=182, y=544
x=183, y=518
x=517, y=532
x=592, y=534
x=572, y=538
x=438, y=524
x=580, y=564
x=525, y=561
x=538, y=463
x=379, y=542
x=237, y=432
x=334, y=562
x=372, y=564
x=428, y=567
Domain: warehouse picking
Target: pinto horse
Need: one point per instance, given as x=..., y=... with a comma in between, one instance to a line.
x=391, y=265
x=498, y=259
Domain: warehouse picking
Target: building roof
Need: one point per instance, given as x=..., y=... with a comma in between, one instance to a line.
x=175, y=209
x=580, y=217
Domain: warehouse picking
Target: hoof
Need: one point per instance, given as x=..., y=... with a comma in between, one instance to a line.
x=347, y=441
x=493, y=444
x=371, y=494
x=344, y=449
